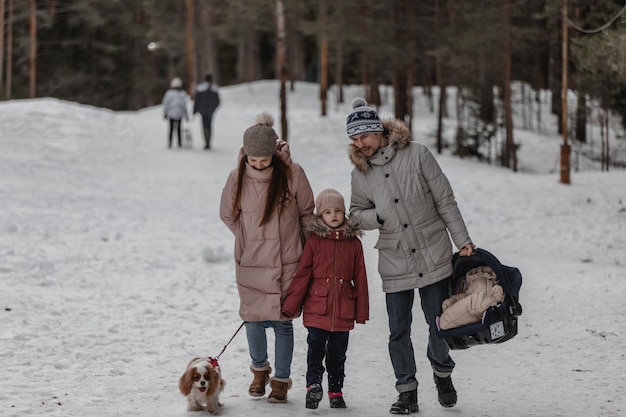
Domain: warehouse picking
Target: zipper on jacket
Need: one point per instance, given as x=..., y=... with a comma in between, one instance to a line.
x=335, y=290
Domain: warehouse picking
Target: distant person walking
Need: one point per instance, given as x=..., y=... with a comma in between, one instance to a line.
x=175, y=108
x=207, y=100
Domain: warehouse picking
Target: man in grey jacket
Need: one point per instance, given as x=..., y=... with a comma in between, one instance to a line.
x=399, y=188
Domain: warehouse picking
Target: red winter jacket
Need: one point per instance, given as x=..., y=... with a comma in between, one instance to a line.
x=330, y=285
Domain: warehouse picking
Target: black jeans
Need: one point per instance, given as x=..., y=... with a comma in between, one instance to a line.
x=333, y=347
x=175, y=124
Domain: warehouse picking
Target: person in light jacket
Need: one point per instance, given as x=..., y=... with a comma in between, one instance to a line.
x=331, y=284
x=175, y=108
x=399, y=189
x=266, y=202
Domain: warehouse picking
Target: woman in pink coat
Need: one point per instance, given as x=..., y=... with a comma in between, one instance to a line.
x=266, y=203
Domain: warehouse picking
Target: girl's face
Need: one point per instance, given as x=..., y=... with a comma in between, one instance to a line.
x=259, y=162
x=333, y=217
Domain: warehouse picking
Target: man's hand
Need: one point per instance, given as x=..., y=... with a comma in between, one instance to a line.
x=467, y=250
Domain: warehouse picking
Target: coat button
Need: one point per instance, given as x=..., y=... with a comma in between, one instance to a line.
x=420, y=275
x=386, y=175
x=395, y=200
x=405, y=225
x=412, y=250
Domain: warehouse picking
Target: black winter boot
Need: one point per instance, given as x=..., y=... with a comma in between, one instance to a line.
x=336, y=400
x=445, y=391
x=314, y=394
x=406, y=403
x=207, y=138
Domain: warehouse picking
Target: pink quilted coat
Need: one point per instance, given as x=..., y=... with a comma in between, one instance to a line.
x=266, y=257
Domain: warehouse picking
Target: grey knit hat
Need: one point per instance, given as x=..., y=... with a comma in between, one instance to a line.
x=259, y=140
x=363, y=119
x=329, y=198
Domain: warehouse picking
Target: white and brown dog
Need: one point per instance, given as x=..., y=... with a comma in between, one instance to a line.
x=202, y=383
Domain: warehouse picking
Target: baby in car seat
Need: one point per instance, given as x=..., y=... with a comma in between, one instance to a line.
x=480, y=291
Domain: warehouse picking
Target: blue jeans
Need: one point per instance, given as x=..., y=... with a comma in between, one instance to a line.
x=399, y=311
x=283, y=345
x=332, y=346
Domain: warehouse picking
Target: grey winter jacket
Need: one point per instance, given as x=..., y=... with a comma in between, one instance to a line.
x=402, y=185
x=175, y=104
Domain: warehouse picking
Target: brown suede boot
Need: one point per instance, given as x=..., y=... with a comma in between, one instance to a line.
x=280, y=386
x=261, y=378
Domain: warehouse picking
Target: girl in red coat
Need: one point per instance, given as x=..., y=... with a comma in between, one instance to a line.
x=330, y=286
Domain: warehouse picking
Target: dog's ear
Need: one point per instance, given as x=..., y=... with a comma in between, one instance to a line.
x=214, y=381
x=185, y=383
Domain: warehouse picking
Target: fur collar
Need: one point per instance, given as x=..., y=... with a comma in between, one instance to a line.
x=350, y=228
x=396, y=134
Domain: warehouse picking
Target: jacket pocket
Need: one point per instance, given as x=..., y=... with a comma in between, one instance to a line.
x=316, y=301
x=347, y=301
x=438, y=243
x=391, y=259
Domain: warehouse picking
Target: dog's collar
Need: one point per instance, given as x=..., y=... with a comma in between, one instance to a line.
x=213, y=362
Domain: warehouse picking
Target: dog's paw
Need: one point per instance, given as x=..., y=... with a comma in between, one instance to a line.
x=194, y=407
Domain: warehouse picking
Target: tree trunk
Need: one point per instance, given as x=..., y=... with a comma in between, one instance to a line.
x=281, y=66
x=324, y=74
x=32, y=51
x=440, y=80
x=339, y=71
x=248, y=64
x=323, y=57
x=207, y=61
x=9, y=50
x=399, y=88
x=190, y=47
x=1, y=43
x=295, y=51
x=509, y=158
x=581, y=117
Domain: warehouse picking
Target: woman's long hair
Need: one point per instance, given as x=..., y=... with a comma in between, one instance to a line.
x=278, y=194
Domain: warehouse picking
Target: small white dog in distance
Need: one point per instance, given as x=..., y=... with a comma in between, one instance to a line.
x=202, y=383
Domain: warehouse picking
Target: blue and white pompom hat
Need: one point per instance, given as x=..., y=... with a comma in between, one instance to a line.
x=363, y=119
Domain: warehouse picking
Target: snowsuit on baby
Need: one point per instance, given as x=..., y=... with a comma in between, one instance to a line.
x=480, y=291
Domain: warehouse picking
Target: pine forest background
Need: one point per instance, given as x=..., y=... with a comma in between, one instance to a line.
x=122, y=54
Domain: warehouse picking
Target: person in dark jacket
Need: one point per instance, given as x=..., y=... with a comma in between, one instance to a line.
x=399, y=189
x=331, y=284
x=207, y=100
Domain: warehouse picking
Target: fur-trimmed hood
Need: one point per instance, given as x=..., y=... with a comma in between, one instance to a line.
x=350, y=228
x=396, y=134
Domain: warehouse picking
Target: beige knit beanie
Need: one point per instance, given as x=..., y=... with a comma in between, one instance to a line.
x=259, y=140
x=329, y=198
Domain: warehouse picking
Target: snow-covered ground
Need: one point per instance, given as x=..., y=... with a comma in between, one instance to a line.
x=115, y=269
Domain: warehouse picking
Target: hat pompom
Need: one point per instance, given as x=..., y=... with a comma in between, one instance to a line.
x=265, y=119
x=359, y=102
